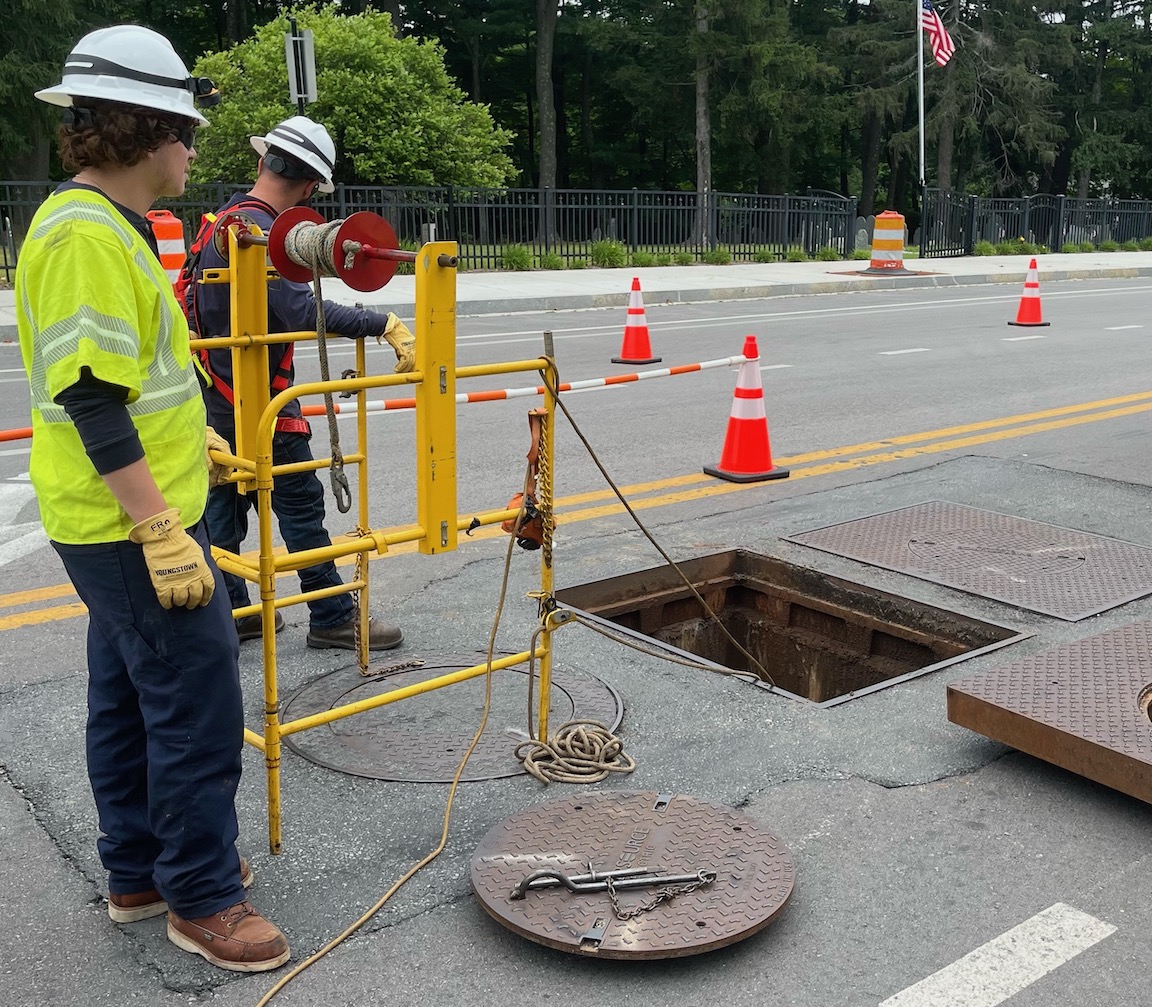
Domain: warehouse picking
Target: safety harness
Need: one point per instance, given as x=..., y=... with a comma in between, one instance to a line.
x=185, y=287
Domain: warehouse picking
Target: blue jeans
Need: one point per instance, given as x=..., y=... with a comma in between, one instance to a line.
x=165, y=729
x=298, y=503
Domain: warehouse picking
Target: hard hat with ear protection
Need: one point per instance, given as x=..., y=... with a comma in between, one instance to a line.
x=305, y=140
x=132, y=65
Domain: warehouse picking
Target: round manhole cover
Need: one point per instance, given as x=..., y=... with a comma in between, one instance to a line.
x=423, y=738
x=627, y=830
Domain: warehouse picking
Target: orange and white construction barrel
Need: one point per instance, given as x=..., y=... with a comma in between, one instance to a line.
x=169, y=231
x=887, y=243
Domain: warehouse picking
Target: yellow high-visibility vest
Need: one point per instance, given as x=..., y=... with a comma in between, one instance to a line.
x=90, y=293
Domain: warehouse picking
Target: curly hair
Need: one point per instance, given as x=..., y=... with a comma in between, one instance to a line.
x=109, y=133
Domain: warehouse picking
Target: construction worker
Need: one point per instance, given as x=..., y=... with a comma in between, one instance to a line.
x=296, y=160
x=121, y=471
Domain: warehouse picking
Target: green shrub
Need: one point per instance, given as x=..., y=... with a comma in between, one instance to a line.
x=717, y=256
x=608, y=254
x=1108, y=245
x=551, y=260
x=983, y=248
x=1041, y=250
x=1069, y=247
x=517, y=257
x=577, y=263
x=664, y=259
x=1007, y=247
x=765, y=255
x=1146, y=244
x=828, y=254
x=643, y=259
x=862, y=253
x=683, y=258
x=406, y=268
x=797, y=254
x=1087, y=246
x=1130, y=246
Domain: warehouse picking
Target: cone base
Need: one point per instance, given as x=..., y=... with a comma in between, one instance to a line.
x=1030, y=325
x=746, y=477
x=626, y=360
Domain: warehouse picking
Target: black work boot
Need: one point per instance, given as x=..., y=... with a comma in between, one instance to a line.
x=251, y=627
x=381, y=636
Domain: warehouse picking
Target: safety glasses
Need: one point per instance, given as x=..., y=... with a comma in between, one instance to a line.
x=186, y=135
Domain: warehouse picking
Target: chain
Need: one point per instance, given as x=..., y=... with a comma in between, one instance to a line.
x=544, y=493
x=662, y=895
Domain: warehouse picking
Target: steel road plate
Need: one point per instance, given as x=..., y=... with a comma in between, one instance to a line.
x=617, y=829
x=1082, y=706
x=423, y=738
x=1041, y=567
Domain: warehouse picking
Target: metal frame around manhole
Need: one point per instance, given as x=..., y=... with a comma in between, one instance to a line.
x=438, y=752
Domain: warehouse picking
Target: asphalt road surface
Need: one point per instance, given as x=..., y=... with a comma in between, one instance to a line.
x=934, y=867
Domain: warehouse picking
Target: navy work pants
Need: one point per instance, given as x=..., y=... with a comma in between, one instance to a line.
x=165, y=729
x=298, y=503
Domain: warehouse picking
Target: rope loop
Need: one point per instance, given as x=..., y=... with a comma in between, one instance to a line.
x=581, y=751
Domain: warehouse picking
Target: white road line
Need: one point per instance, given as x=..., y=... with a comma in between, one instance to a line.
x=1121, y=328
x=16, y=451
x=773, y=367
x=896, y=353
x=1018, y=339
x=12, y=370
x=1009, y=963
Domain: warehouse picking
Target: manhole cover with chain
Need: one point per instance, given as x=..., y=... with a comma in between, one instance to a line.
x=728, y=877
x=423, y=738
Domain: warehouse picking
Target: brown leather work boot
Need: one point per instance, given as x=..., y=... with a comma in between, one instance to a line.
x=237, y=938
x=251, y=627
x=381, y=636
x=144, y=905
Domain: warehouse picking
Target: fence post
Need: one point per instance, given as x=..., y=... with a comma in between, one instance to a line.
x=634, y=221
x=713, y=218
x=341, y=203
x=970, y=225
x=1058, y=236
x=850, y=228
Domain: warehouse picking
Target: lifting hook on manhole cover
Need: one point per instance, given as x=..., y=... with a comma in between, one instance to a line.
x=674, y=875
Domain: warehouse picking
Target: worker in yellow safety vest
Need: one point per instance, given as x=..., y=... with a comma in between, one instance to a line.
x=121, y=470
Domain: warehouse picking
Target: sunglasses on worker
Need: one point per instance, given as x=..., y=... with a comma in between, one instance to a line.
x=185, y=134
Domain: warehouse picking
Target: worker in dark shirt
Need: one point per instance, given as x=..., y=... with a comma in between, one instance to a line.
x=296, y=161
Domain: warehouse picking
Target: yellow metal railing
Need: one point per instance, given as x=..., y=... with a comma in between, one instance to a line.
x=437, y=520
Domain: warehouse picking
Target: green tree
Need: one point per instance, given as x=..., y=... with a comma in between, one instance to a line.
x=396, y=116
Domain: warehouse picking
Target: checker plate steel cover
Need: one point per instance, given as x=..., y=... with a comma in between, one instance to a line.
x=1081, y=706
x=1045, y=568
x=422, y=739
x=672, y=834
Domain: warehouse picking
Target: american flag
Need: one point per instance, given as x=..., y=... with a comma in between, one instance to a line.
x=942, y=45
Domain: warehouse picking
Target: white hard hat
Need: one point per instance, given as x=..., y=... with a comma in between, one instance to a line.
x=305, y=140
x=134, y=66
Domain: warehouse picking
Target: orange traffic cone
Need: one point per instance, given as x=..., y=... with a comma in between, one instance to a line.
x=1029, y=310
x=747, y=455
x=636, y=349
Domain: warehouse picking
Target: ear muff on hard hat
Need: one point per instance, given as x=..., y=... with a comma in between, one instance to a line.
x=304, y=140
x=132, y=65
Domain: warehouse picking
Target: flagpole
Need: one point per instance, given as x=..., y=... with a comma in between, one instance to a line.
x=920, y=82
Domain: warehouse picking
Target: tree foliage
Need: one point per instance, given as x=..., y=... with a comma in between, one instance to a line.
x=1040, y=96
x=395, y=114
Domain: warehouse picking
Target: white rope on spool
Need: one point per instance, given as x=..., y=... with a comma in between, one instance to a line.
x=313, y=246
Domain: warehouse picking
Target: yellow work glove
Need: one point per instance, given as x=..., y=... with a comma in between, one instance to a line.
x=218, y=472
x=400, y=338
x=181, y=576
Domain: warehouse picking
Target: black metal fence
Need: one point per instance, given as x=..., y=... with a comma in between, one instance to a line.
x=952, y=222
x=557, y=227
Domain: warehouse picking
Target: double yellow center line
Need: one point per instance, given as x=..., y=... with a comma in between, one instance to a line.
x=31, y=610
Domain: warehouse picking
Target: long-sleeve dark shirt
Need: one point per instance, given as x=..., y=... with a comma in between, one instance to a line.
x=291, y=308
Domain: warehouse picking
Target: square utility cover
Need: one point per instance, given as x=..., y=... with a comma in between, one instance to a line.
x=1045, y=568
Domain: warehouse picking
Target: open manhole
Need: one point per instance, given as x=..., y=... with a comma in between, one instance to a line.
x=819, y=638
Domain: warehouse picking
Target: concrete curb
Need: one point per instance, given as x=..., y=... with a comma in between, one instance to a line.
x=568, y=302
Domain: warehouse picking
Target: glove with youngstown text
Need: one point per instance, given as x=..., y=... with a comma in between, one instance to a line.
x=400, y=338
x=218, y=472
x=181, y=576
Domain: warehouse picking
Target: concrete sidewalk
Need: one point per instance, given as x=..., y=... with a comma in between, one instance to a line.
x=480, y=293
